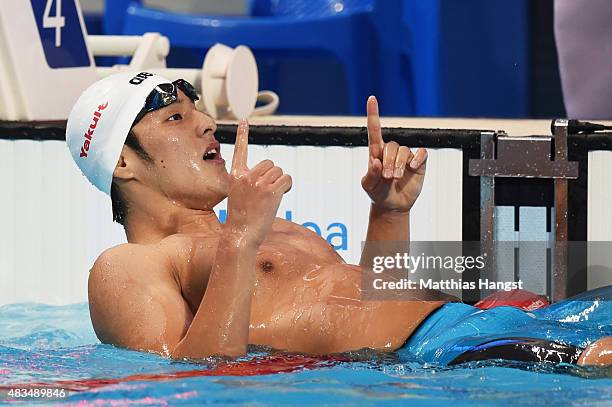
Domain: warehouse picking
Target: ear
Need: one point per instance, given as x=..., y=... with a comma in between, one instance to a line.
x=124, y=169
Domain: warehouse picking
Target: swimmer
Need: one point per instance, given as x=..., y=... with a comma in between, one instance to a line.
x=187, y=286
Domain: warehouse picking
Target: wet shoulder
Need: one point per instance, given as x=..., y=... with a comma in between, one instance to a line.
x=165, y=253
x=130, y=259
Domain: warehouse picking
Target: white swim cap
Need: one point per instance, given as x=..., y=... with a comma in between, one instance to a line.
x=101, y=120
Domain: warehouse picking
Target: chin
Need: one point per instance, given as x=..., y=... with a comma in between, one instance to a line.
x=203, y=191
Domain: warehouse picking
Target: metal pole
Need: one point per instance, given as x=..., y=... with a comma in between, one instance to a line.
x=559, y=278
x=487, y=210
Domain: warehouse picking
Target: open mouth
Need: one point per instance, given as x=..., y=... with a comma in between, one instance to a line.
x=213, y=153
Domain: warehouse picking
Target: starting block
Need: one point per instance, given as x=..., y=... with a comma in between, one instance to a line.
x=44, y=60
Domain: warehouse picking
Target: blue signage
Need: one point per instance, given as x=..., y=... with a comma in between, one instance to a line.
x=336, y=233
x=60, y=33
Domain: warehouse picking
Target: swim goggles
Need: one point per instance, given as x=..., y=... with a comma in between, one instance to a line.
x=164, y=94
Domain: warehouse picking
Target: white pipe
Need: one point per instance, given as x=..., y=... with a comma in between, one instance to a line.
x=194, y=76
x=122, y=45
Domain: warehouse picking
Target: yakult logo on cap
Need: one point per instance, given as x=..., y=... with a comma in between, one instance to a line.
x=90, y=131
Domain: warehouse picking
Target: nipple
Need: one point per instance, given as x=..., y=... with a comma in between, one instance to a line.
x=266, y=266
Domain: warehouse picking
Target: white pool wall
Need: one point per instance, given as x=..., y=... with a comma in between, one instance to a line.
x=54, y=224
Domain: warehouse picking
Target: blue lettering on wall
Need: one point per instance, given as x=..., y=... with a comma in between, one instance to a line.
x=342, y=235
x=337, y=232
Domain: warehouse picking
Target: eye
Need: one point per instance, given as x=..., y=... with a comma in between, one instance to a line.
x=176, y=116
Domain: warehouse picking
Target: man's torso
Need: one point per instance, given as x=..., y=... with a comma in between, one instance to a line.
x=305, y=299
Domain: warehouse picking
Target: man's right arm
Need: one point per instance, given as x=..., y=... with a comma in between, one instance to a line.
x=221, y=325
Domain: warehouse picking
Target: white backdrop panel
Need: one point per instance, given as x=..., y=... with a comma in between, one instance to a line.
x=599, y=218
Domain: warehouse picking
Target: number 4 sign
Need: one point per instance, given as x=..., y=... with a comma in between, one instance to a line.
x=60, y=33
x=56, y=22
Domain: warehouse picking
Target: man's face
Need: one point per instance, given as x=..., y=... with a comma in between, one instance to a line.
x=188, y=167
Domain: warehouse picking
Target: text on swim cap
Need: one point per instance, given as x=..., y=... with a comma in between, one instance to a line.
x=138, y=79
x=90, y=131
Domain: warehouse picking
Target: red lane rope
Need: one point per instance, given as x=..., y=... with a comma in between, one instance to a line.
x=255, y=367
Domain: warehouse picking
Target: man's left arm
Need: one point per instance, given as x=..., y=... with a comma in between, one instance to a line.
x=393, y=183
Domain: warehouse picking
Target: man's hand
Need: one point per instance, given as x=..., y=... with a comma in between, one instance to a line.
x=255, y=194
x=395, y=175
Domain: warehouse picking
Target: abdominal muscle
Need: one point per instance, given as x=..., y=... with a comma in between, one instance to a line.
x=321, y=311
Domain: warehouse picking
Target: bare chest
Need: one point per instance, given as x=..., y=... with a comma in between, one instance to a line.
x=288, y=254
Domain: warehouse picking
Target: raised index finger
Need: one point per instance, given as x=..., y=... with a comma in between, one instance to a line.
x=239, y=160
x=375, y=140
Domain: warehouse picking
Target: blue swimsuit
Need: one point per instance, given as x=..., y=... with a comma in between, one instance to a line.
x=459, y=329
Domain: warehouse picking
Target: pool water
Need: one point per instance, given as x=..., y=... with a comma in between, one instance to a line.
x=55, y=346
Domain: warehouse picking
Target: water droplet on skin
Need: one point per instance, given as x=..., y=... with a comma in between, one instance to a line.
x=194, y=165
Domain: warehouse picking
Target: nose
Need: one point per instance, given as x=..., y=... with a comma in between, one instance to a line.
x=205, y=124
